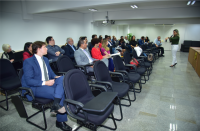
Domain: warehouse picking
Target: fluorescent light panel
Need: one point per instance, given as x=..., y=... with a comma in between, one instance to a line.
x=92, y=9
x=188, y=2
x=193, y=3
x=134, y=6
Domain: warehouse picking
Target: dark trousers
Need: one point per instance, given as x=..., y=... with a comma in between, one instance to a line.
x=162, y=50
x=51, y=92
x=110, y=64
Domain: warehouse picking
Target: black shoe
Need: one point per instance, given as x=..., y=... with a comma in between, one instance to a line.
x=63, y=126
x=162, y=55
x=175, y=64
x=171, y=66
x=57, y=109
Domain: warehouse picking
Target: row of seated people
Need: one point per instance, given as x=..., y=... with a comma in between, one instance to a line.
x=39, y=77
x=55, y=51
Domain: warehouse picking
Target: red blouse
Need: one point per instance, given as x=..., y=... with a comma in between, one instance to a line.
x=96, y=53
x=100, y=45
x=26, y=55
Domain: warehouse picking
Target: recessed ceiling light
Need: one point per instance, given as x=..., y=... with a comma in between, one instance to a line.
x=188, y=2
x=134, y=6
x=92, y=9
x=193, y=3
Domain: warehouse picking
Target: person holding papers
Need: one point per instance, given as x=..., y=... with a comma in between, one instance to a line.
x=105, y=50
x=96, y=53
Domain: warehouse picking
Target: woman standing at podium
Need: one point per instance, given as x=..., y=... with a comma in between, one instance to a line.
x=174, y=39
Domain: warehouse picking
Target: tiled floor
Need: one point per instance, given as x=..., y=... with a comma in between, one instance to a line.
x=169, y=101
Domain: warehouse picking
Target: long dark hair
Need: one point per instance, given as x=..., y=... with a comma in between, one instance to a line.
x=26, y=46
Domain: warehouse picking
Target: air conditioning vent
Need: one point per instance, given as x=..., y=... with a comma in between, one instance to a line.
x=164, y=25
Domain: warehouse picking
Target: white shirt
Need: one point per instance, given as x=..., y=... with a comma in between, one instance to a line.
x=88, y=56
x=126, y=41
x=138, y=50
x=39, y=59
x=109, y=43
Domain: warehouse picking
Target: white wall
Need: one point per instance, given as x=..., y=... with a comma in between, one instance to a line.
x=187, y=31
x=16, y=31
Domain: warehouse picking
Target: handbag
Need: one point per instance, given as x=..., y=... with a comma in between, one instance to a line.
x=134, y=62
x=150, y=57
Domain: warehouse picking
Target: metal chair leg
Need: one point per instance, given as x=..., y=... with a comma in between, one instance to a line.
x=113, y=122
x=42, y=110
x=6, y=109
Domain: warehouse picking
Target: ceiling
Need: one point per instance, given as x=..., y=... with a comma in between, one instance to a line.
x=142, y=5
x=82, y=6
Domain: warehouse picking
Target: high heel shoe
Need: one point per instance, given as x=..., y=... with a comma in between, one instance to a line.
x=171, y=66
x=175, y=64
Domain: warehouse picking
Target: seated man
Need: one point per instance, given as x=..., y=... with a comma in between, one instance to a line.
x=53, y=51
x=39, y=76
x=109, y=41
x=90, y=46
x=141, y=41
x=126, y=40
x=115, y=42
x=70, y=49
x=82, y=56
x=158, y=44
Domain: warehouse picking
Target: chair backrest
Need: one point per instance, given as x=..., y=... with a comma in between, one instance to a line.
x=18, y=56
x=64, y=64
x=119, y=65
x=76, y=87
x=21, y=72
x=62, y=47
x=101, y=72
x=7, y=70
x=195, y=43
x=134, y=54
x=127, y=57
x=187, y=42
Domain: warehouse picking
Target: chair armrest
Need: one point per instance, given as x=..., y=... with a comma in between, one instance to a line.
x=98, y=86
x=117, y=73
x=62, y=73
x=142, y=56
x=122, y=71
x=73, y=102
x=66, y=101
x=83, y=67
x=105, y=83
x=29, y=90
x=130, y=65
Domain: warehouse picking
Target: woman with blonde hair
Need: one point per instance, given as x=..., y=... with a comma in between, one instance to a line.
x=174, y=39
x=8, y=53
x=105, y=50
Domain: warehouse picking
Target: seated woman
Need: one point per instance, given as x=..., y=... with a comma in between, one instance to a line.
x=96, y=53
x=105, y=50
x=27, y=51
x=146, y=41
x=8, y=53
x=133, y=42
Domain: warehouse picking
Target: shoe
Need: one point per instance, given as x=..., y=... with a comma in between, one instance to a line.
x=57, y=109
x=162, y=55
x=175, y=64
x=63, y=126
x=171, y=66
